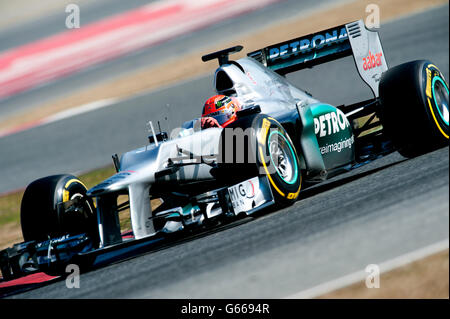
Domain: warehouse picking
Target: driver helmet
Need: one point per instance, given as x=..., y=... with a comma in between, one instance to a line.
x=222, y=108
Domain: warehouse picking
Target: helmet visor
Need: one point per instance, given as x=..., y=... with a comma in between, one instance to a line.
x=224, y=115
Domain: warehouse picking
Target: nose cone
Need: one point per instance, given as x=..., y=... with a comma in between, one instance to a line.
x=115, y=183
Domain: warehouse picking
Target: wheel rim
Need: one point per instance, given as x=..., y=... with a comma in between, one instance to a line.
x=283, y=157
x=440, y=97
x=86, y=203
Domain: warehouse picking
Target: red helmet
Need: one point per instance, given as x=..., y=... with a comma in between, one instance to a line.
x=222, y=108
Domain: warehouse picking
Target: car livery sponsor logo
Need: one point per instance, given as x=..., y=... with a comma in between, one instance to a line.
x=372, y=61
x=242, y=195
x=241, y=191
x=247, y=189
x=338, y=146
x=52, y=241
x=250, y=77
x=300, y=46
x=330, y=123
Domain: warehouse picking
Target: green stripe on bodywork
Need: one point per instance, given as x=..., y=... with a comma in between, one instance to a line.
x=437, y=78
x=293, y=155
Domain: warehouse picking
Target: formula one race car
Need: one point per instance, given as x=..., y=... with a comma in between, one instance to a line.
x=282, y=141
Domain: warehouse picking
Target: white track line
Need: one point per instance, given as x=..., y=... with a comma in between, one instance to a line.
x=88, y=107
x=84, y=108
x=361, y=275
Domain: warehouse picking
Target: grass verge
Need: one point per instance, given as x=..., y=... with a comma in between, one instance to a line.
x=10, y=230
x=427, y=278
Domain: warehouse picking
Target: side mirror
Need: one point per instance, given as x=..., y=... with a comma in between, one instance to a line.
x=160, y=137
x=252, y=109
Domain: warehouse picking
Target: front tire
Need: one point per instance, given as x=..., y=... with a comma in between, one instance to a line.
x=415, y=107
x=278, y=160
x=40, y=218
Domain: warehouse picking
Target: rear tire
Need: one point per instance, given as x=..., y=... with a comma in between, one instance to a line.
x=39, y=216
x=414, y=107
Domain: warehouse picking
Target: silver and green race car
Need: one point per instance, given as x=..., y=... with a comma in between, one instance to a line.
x=283, y=141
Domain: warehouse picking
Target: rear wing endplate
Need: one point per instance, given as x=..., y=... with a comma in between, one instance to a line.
x=331, y=44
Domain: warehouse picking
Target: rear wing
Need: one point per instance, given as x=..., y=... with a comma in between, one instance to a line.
x=324, y=46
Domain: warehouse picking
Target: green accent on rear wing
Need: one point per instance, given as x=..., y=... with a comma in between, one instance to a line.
x=305, y=51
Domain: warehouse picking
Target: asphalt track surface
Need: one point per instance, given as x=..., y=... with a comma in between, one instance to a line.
x=382, y=210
